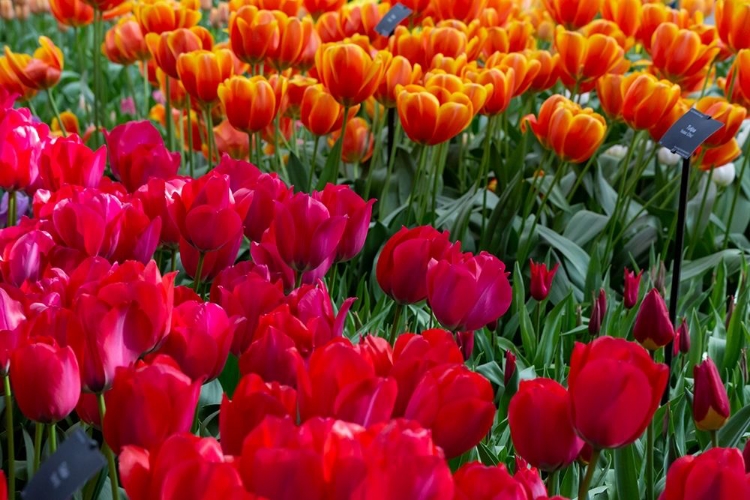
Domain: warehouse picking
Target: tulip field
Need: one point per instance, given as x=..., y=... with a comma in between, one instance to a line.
x=331, y=250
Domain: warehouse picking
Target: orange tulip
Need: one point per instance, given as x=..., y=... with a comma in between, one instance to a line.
x=201, y=72
x=294, y=34
x=627, y=14
x=69, y=122
x=320, y=113
x=572, y=132
x=12, y=84
x=501, y=92
x=730, y=115
x=40, y=71
x=72, y=12
x=660, y=126
x=418, y=7
x=733, y=23
x=499, y=11
x=703, y=7
x=708, y=158
x=164, y=15
x=524, y=69
x=465, y=10
x=520, y=35
x=454, y=66
x=358, y=141
x=249, y=103
x=409, y=45
x=609, y=28
x=398, y=71
x=739, y=77
x=549, y=69
x=280, y=84
x=318, y=7
x=124, y=43
x=647, y=100
x=297, y=86
x=177, y=94
x=449, y=42
x=583, y=60
x=680, y=56
x=229, y=140
x=495, y=40
x=253, y=34
x=609, y=90
x=288, y=7
x=348, y=72
x=361, y=18
x=167, y=47
x=432, y=115
x=328, y=27
x=573, y=14
x=654, y=14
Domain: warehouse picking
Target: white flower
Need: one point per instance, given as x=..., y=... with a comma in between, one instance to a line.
x=724, y=175
x=666, y=157
x=617, y=151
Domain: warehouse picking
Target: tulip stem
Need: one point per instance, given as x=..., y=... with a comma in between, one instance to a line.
x=198, y=273
x=621, y=191
x=694, y=236
x=38, y=434
x=250, y=147
x=277, y=139
x=258, y=150
x=189, y=135
x=108, y=451
x=737, y=191
x=145, y=89
x=552, y=482
x=316, y=144
x=484, y=169
x=397, y=133
x=170, y=124
x=583, y=488
x=11, y=216
x=542, y=206
x=56, y=111
x=396, y=320
x=10, y=438
x=650, y=461
x=52, y=437
x=209, y=136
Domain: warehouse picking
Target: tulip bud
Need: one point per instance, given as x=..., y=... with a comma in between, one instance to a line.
x=631, y=287
x=653, y=328
x=510, y=367
x=465, y=341
x=541, y=279
x=658, y=276
x=730, y=310
x=598, y=310
x=710, y=403
x=682, y=338
x=746, y=456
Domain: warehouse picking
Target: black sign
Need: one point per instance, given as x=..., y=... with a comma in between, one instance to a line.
x=689, y=132
x=67, y=470
x=392, y=19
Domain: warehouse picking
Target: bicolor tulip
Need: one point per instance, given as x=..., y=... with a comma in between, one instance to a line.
x=297, y=86
x=733, y=23
x=320, y=113
x=294, y=36
x=584, y=59
x=503, y=88
x=348, y=72
x=358, y=141
x=433, y=115
x=653, y=328
x=549, y=69
x=681, y=56
x=74, y=13
x=318, y=7
x=626, y=14
x=253, y=34
x=573, y=14
x=41, y=71
x=167, y=47
x=249, y=103
x=124, y=43
x=730, y=115
x=162, y=16
x=398, y=71
x=654, y=15
x=202, y=71
x=710, y=401
x=462, y=11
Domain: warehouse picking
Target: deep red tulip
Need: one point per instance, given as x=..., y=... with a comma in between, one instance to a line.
x=126, y=314
x=25, y=253
x=598, y=311
x=344, y=201
x=312, y=305
x=251, y=402
x=378, y=352
x=158, y=397
x=260, y=197
x=541, y=279
x=465, y=341
x=475, y=481
x=613, y=377
x=307, y=234
x=631, y=289
x=653, y=328
x=746, y=456
x=682, y=338
x=199, y=339
x=470, y=293
x=402, y=266
x=12, y=325
x=456, y=404
x=68, y=160
x=45, y=380
x=710, y=402
x=717, y=474
x=274, y=356
x=244, y=290
x=530, y=480
x=510, y=367
x=21, y=144
x=87, y=409
x=541, y=426
x=137, y=153
x=156, y=197
x=241, y=173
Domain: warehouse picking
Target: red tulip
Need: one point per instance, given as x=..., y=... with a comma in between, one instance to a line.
x=653, y=328
x=470, y=293
x=45, y=380
x=252, y=401
x=11, y=327
x=717, y=474
x=273, y=356
x=307, y=233
x=199, y=339
x=25, y=253
x=475, y=481
x=311, y=304
x=530, y=480
x=598, y=311
x=126, y=314
x=343, y=201
x=510, y=367
x=21, y=144
x=68, y=160
x=378, y=352
x=541, y=426
x=137, y=153
x=156, y=197
x=710, y=402
x=614, y=378
x=158, y=397
x=456, y=404
x=632, y=286
x=402, y=266
x=541, y=279
x=244, y=290
x=682, y=338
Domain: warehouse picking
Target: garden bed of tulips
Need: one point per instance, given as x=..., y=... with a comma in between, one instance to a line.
x=299, y=250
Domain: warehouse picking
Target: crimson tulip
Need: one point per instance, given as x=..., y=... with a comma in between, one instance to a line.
x=344, y=201
x=613, y=378
x=530, y=480
x=251, y=402
x=45, y=380
x=456, y=404
x=21, y=144
x=274, y=356
x=12, y=327
x=156, y=196
x=653, y=328
x=475, y=481
x=717, y=474
x=157, y=396
x=25, y=253
x=632, y=286
x=541, y=279
x=378, y=352
x=710, y=402
x=541, y=426
x=510, y=367
x=682, y=338
x=260, y=197
x=598, y=312
x=470, y=293
x=402, y=266
x=312, y=305
x=68, y=160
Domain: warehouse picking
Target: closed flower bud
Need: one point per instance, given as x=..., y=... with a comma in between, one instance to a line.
x=682, y=339
x=598, y=311
x=541, y=279
x=631, y=287
x=653, y=328
x=510, y=367
x=710, y=402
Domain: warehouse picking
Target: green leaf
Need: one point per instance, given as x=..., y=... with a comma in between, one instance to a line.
x=298, y=175
x=550, y=335
x=735, y=331
x=626, y=473
x=330, y=171
x=574, y=255
x=210, y=394
x=584, y=226
x=729, y=436
x=230, y=375
x=486, y=456
x=491, y=371
x=731, y=257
